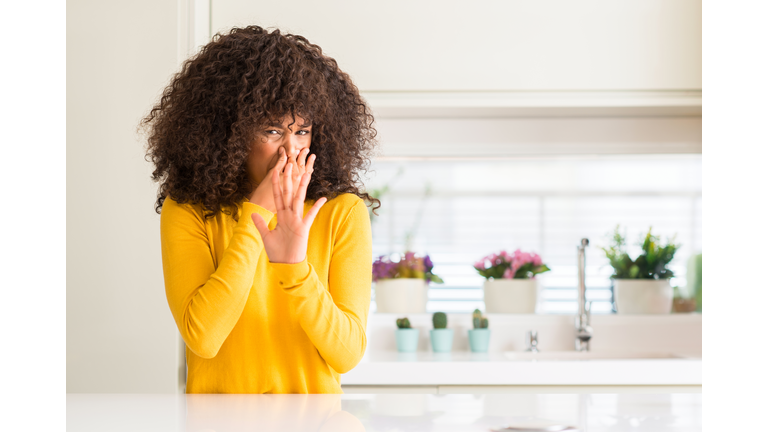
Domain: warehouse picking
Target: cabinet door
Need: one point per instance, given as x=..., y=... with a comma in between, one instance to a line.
x=493, y=45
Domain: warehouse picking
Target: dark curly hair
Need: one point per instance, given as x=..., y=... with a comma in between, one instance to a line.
x=203, y=128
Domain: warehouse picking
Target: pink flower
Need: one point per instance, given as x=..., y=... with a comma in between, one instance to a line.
x=536, y=260
x=507, y=256
x=508, y=274
x=480, y=265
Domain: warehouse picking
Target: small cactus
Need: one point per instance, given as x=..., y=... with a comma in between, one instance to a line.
x=440, y=320
x=403, y=323
x=477, y=314
x=478, y=321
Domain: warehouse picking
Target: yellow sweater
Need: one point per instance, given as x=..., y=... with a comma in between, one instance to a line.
x=252, y=326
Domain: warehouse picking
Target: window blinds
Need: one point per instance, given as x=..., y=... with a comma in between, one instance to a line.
x=459, y=210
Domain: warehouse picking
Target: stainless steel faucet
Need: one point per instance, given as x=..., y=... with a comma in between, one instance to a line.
x=532, y=339
x=583, y=330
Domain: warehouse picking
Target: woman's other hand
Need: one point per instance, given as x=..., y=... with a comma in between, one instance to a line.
x=287, y=243
x=263, y=195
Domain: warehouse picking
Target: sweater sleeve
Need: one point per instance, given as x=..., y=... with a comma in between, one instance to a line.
x=206, y=302
x=335, y=319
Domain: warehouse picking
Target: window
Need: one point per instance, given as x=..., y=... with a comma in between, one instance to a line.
x=459, y=210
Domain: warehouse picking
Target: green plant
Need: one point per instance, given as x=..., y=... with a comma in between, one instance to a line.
x=440, y=320
x=650, y=264
x=403, y=323
x=478, y=321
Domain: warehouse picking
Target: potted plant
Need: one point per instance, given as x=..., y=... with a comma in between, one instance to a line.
x=441, y=337
x=510, y=281
x=401, y=285
x=407, y=338
x=480, y=334
x=641, y=285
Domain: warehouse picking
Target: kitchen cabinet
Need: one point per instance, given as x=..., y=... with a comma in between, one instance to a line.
x=494, y=45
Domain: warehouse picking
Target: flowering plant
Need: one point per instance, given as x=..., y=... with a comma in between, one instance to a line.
x=519, y=265
x=408, y=266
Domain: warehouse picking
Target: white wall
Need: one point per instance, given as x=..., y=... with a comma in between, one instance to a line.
x=121, y=337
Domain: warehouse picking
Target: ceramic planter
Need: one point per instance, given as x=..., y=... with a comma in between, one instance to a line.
x=405, y=295
x=442, y=340
x=407, y=339
x=510, y=295
x=479, y=339
x=643, y=296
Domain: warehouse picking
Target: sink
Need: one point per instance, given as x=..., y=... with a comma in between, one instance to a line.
x=585, y=355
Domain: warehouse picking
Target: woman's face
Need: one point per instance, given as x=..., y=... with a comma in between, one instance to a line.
x=264, y=153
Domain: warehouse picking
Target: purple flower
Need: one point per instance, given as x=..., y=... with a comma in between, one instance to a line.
x=407, y=265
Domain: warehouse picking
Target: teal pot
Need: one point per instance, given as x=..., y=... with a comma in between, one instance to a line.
x=407, y=339
x=478, y=340
x=442, y=340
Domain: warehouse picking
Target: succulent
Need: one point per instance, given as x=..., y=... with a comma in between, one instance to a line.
x=440, y=320
x=478, y=321
x=403, y=323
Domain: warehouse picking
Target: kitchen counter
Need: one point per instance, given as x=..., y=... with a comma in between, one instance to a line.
x=382, y=412
x=466, y=368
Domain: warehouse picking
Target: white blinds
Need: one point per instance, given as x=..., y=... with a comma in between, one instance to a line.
x=546, y=205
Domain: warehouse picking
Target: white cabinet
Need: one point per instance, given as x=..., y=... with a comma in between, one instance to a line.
x=494, y=45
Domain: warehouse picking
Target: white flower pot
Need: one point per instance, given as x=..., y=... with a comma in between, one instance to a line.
x=404, y=295
x=510, y=295
x=643, y=296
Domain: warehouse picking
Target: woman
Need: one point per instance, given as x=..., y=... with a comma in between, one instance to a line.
x=258, y=144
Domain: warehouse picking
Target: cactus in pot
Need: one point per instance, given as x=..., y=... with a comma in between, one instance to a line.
x=480, y=335
x=403, y=323
x=406, y=337
x=441, y=336
x=478, y=321
x=440, y=320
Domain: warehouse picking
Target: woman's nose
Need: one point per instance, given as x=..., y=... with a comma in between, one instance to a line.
x=291, y=146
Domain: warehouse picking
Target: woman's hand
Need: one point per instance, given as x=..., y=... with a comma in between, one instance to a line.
x=287, y=243
x=263, y=195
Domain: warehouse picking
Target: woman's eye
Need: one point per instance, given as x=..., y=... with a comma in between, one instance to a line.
x=272, y=132
x=302, y=132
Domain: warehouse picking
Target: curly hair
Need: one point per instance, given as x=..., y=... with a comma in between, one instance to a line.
x=202, y=130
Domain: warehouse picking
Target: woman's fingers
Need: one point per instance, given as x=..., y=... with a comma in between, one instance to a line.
x=310, y=217
x=310, y=164
x=298, y=202
x=288, y=187
x=261, y=224
x=303, y=160
x=277, y=193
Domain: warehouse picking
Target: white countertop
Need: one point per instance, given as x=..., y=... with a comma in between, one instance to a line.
x=384, y=412
x=466, y=368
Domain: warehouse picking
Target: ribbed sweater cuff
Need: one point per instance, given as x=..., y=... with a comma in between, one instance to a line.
x=250, y=208
x=291, y=277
